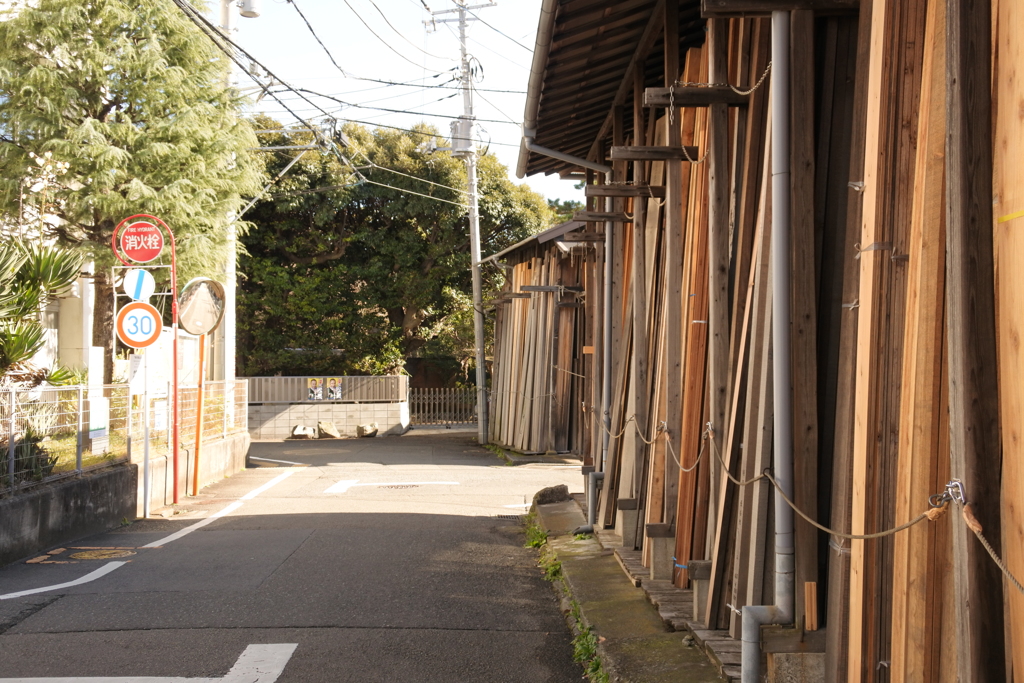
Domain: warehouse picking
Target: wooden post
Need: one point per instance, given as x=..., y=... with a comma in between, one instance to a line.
x=673, y=271
x=975, y=453
x=1009, y=250
x=641, y=390
x=803, y=300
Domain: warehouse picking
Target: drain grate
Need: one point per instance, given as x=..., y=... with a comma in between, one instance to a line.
x=398, y=486
x=511, y=518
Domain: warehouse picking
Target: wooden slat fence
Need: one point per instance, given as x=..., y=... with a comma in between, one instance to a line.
x=442, y=406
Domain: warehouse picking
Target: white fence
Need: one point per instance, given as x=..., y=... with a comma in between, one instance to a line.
x=54, y=432
x=378, y=389
x=442, y=406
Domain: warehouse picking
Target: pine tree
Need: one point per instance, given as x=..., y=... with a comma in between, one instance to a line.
x=132, y=97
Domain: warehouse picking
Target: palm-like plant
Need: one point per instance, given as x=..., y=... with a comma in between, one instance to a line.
x=30, y=276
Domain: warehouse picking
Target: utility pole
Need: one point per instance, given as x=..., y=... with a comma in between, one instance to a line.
x=250, y=9
x=464, y=146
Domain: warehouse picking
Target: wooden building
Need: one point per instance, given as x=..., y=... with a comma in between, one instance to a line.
x=800, y=270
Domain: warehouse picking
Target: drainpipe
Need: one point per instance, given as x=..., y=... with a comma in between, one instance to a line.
x=592, y=479
x=782, y=612
x=528, y=142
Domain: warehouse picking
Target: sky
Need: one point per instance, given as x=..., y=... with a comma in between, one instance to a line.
x=388, y=40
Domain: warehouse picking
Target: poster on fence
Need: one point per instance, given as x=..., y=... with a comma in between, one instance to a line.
x=332, y=390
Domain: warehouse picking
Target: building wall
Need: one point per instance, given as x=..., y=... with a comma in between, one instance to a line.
x=272, y=421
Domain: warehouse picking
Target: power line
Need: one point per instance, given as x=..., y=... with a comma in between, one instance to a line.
x=396, y=111
x=222, y=42
x=498, y=31
x=310, y=27
x=402, y=36
x=510, y=119
x=377, y=36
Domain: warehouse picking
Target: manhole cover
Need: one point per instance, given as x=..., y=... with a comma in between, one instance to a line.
x=102, y=554
x=398, y=486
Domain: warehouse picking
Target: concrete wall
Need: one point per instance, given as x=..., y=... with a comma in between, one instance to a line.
x=217, y=460
x=273, y=421
x=65, y=510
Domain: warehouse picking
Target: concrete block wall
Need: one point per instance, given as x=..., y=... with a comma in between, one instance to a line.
x=274, y=421
x=66, y=510
x=217, y=460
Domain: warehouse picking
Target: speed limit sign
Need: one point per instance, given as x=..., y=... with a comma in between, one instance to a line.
x=138, y=325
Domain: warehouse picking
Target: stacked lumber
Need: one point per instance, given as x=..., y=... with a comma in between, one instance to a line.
x=536, y=369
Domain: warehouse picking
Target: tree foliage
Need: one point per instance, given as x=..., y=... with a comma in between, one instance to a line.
x=132, y=98
x=358, y=277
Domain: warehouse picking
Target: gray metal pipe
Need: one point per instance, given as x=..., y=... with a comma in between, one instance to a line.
x=783, y=611
x=592, y=479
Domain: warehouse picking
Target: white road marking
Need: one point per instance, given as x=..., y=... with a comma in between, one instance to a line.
x=92, y=576
x=111, y=566
x=519, y=505
x=281, y=462
x=257, y=664
x=345, y=485
x=273, y=482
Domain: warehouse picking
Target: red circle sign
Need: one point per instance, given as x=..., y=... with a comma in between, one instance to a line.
x=142, y=241
x=138, y=325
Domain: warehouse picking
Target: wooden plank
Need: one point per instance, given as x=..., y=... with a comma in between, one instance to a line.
x=760, y=8
x=803, y=299
x=669, y=153
x=970, y=324
x=811, y=606
x=602, y=217
x=1009, y=250
x=651, y=33
x=915, y=642
x=641, y=190
x=673, y=269
x=694, y=96
x=838, y=606
x=641, y=354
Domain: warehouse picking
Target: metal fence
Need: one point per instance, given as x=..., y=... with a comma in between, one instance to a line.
x=442, y=406
x=61, y=432
x=377, y=389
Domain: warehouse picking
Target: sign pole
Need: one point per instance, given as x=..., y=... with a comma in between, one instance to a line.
x=145, y=435
x=199, y=416
x=143, y=247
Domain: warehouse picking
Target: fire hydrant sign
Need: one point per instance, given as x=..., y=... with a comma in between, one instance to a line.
x=142, y=241
x=138, y=325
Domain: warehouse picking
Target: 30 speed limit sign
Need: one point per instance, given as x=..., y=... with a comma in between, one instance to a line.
x=138, y=325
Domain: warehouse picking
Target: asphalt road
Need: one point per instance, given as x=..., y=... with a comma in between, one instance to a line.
x=366, y=560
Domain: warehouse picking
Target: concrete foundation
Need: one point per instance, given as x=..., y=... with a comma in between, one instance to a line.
x=662, y=550
x=66, y=510
x=796, y=667
x=216, y=460
x=274, y=421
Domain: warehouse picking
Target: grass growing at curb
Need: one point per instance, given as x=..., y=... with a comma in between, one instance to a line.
x=500, y=452
x=584, y=642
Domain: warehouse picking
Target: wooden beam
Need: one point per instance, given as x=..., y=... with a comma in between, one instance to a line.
x=624, y=191
x=673, y=269
x=669, y=153
x=1009, y=250
x=975, y=453
x=643, y=48
x=763, y=8
x=602, y=217
x=694, y=96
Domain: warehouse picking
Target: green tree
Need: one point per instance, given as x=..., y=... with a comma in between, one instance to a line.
x=354, y=272
x=564, y=209
x=132, y=98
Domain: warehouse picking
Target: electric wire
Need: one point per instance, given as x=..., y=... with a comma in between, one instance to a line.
x=377, y=36
x=310, y=27
x=402, y=36
x=395, y=111
x=222, y=42
x=497, y=109
x=498, y=31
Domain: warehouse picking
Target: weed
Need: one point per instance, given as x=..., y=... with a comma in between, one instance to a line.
x=552, y=568
x=582, y=537
x=536, y=537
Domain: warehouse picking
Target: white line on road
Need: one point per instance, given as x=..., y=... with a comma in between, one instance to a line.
x=111, y=566
x=345, y=485
x=92, y=576
x=518, y=505
x=281, y=462
x=257, y=664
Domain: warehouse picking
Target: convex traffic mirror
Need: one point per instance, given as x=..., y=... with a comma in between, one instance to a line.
x=201, y=306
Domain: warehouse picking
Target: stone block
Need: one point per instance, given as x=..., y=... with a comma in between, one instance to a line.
x=796, y=667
